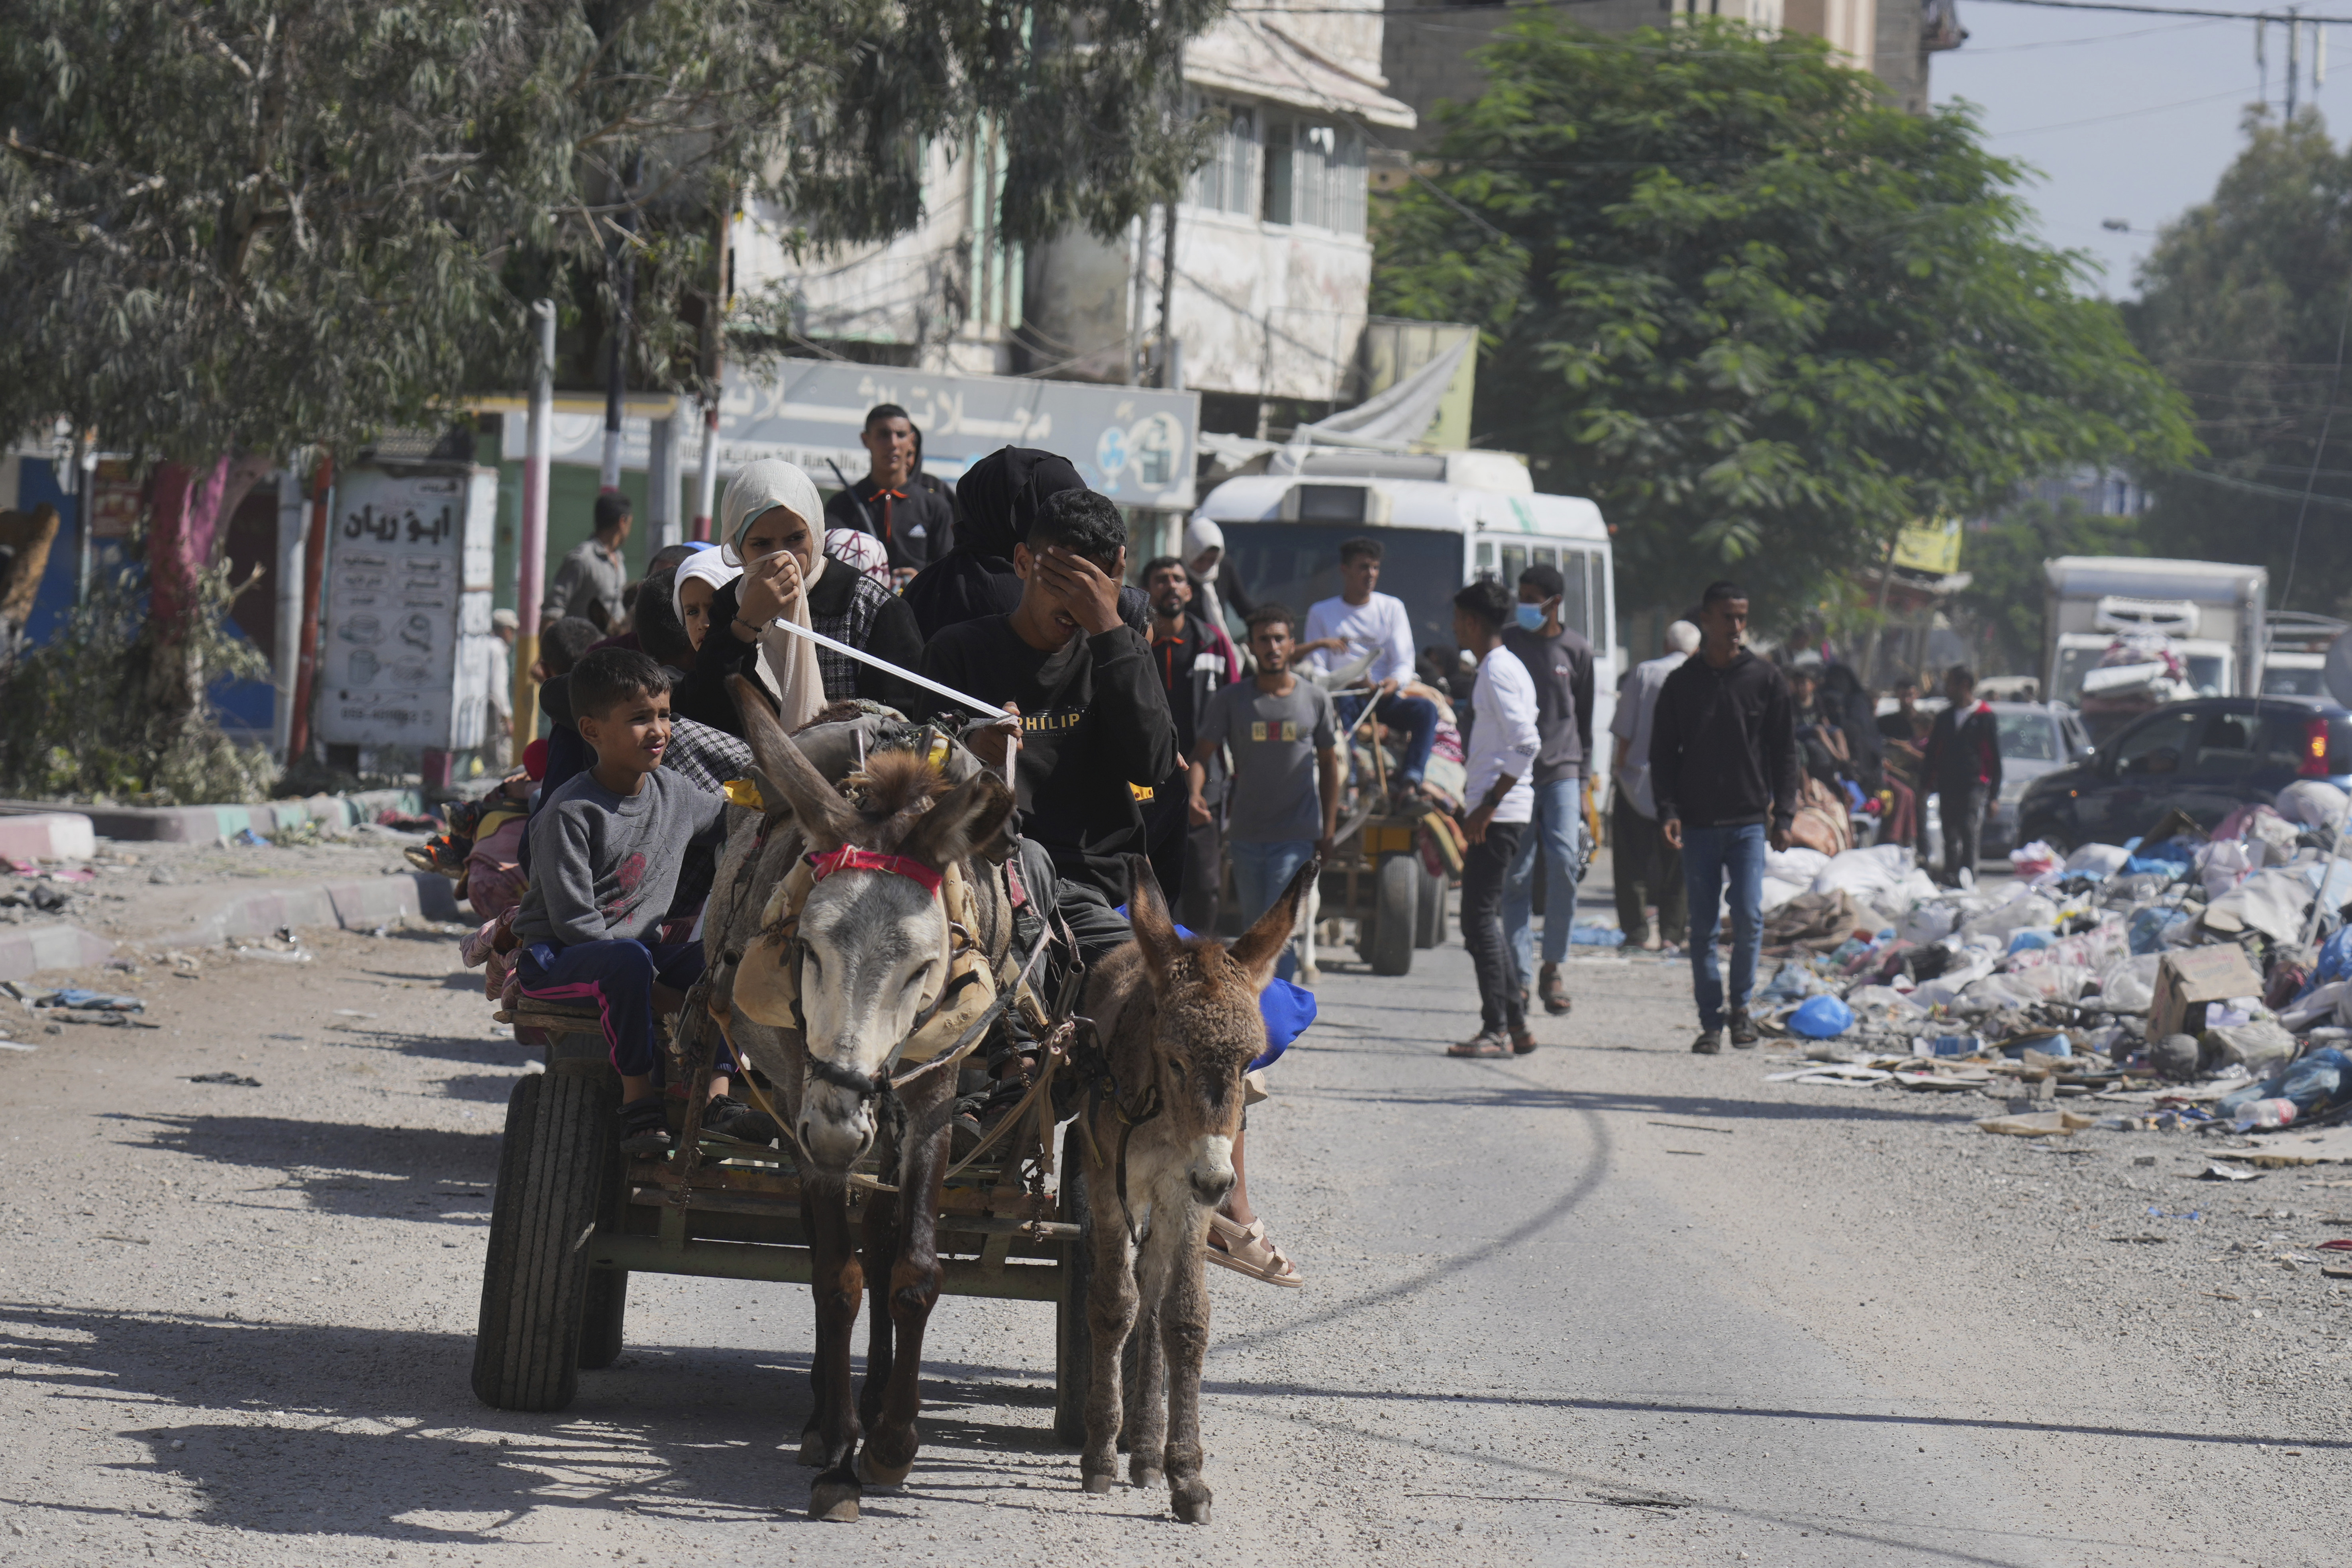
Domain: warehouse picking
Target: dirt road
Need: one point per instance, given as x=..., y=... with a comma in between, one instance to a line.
x=1609, y=1303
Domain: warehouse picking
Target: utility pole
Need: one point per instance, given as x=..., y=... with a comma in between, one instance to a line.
x=706, y=481
x=2293, y=56
x=616, y=365
x=531, y=577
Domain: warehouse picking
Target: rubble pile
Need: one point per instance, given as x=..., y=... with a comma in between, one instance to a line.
x=2194, y=980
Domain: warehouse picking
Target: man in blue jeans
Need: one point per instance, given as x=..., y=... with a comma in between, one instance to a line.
x=1559, y=661
x=1283, y=736
x=1723, y=771
x=1341, y=630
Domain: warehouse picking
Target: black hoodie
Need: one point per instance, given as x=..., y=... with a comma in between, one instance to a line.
x=1094, y=721
x=1723, y=745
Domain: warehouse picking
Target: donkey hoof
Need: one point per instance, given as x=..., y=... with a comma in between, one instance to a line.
x=874, y=1473
x=833, y=1502
x=1144, y=1477
x=812, y=1449
x=1192, y=1506
x=1098, y=1484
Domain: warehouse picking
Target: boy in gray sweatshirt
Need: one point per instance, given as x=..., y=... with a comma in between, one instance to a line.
x=604, y=855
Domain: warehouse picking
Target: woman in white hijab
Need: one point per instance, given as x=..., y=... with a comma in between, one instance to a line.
x=1204, y=556
x=770, y=523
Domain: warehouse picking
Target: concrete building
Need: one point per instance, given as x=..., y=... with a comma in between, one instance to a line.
x=1271, y=269
x=1428, y=51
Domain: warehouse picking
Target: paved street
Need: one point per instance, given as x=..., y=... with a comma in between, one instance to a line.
x=1610, y=1303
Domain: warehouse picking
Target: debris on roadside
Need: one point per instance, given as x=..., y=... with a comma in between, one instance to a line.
x=2204, y=980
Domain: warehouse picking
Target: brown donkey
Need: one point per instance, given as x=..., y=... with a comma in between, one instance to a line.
x=1179, y=1024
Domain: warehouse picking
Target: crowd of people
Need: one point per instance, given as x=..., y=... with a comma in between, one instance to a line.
x=1142, y=727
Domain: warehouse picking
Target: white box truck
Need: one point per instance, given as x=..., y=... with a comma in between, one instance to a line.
x=2125, y=633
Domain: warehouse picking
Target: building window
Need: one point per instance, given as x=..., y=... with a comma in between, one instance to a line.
x=1228, y=182
x=1315, y=175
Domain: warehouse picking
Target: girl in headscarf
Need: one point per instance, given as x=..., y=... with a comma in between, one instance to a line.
x=1204, y=558
x=860, y=552
x=699, y=581
x=771, y=522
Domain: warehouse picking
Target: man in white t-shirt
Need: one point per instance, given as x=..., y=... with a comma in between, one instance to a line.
x=1340, y=631
x=1504, y=740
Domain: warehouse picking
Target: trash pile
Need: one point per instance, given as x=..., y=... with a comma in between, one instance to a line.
x=2204, y=979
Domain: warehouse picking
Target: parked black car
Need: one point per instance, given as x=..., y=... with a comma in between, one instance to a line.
x=2207, y=756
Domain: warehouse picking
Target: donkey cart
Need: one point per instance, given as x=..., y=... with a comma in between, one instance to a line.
x=572, y=1219
x=1379, y=876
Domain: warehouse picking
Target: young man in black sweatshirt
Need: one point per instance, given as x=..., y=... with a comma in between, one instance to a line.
x=1722, y=769
x=1963, y=767
x=1093, y=719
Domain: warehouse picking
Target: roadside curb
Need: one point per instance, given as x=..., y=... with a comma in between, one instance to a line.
x=353, y=906
x=210, y=823
x=357, y=905
x=24, y=953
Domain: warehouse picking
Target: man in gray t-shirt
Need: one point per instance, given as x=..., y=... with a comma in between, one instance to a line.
x=1283, y=736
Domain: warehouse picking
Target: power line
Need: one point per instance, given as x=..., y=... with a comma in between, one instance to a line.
x=2126, y=113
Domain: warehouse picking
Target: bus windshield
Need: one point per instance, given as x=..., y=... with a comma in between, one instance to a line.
x=1296, y=564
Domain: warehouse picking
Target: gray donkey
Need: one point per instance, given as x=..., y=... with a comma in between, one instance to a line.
x=864, y=962
x=1179, y=1024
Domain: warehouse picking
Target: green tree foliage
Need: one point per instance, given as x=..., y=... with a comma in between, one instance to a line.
x=2243, y=303
x=229, y=228
x=1759, y=317
x=250, y=225
x=2005, y=593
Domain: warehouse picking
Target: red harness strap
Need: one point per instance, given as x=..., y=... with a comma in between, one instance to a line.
x=849, y=857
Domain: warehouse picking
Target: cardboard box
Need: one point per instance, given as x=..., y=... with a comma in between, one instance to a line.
x=2192, y=976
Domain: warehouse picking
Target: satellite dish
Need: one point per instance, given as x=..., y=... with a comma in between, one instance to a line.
x=2337, y=671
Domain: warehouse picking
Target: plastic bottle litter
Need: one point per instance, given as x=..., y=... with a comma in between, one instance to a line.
x=2263, y=1114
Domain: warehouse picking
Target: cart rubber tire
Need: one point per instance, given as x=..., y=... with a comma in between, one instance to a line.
x=1429, y=928
x=1073, y=1339
x=551, y=1167
x=602, y=1314
x=1396, y=915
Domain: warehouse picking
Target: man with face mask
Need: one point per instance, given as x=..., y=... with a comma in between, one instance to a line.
x=1559, y=661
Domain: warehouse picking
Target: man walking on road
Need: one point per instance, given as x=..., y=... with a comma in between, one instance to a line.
x=1723, y=764
x=1645, y=866
x=1963, y=767
x=1503, y=743
x=1194, y=659
x=591, y=581
x=1560, y=662
x=1284, y=737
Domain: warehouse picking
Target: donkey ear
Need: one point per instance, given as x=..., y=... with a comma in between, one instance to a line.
x=1259, y=948
x=960, y=822
x=823, y=818
x=1146, y=912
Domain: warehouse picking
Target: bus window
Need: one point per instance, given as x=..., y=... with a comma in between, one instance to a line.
x=1575, y=605
x=1515, y=561
x=1544, y=555
x=1486, y=558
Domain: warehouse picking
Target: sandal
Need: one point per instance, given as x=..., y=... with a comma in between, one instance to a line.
x=1245, y=1250
x=1523, y=1041
x=1484, y=1044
